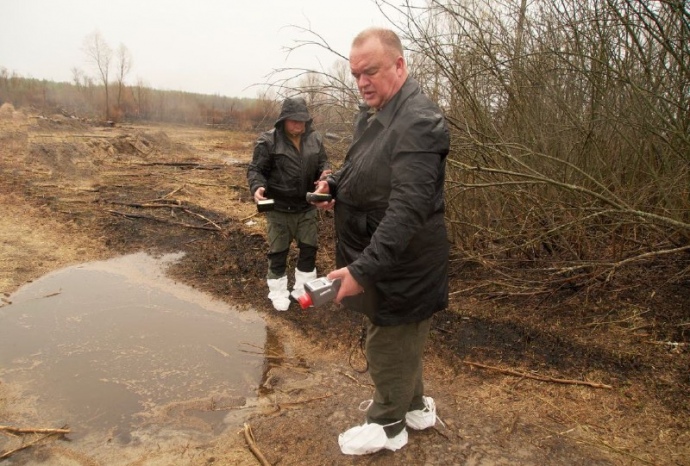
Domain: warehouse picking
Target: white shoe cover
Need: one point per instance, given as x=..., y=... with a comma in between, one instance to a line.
x=397, y=442
x=421, y=419
x=300, y=279
x=369, y=438
x=278, y=293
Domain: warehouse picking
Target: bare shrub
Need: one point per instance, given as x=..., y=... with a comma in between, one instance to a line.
x=571, y=132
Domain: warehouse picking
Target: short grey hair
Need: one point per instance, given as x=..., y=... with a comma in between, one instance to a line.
x=389, y=39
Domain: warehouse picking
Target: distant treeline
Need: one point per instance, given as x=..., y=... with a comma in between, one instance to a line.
x=86, y=99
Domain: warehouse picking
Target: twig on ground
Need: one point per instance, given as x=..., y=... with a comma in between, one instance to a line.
x=31, y=430
x=149, y=217
x=251, y=443
x=194, y=165
x=17, y=430
x=279, y=407
x=355, y=380
x=203, y=218
x=173, y=192
x=538, y=377
x=667, y=343
x=247, y=218
x=292, y=404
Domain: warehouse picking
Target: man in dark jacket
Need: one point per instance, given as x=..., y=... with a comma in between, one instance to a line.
x=287, y=162
x=392, y=248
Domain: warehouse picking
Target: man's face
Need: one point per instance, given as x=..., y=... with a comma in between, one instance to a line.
x=378, y=73
x=295, y=128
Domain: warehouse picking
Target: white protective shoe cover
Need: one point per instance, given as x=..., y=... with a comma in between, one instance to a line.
x=397, y=442
x=421, y=419
x=369, y=438
x=300, y=279
x=278, y=293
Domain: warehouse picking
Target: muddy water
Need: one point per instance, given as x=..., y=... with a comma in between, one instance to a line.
x=117, y=351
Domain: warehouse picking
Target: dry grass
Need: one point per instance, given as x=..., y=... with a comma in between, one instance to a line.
x=55, y=214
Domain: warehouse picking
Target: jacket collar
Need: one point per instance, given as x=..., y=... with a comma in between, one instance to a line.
x=386, y=114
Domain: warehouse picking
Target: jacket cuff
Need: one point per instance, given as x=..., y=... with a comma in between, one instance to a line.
x=332, y=185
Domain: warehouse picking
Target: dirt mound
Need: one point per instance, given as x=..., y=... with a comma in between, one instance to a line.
x=6, y=110
x=69, y=148
x=139, y=144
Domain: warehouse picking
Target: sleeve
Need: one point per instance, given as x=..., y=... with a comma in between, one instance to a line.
x=259, y=167
x=332, y=181
x=324, y=163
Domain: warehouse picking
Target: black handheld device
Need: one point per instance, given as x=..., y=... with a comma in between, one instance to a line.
x=318, y=197
x=265, y=205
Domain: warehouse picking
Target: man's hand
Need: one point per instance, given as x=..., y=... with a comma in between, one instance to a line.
x=322, y=187
x=259, y=194
x=348, y=285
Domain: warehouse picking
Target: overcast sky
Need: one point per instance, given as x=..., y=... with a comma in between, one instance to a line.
x=221, y=47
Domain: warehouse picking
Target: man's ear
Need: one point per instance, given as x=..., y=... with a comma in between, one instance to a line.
x=399, y=65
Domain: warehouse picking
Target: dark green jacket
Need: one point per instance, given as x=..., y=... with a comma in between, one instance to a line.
x=389, y=210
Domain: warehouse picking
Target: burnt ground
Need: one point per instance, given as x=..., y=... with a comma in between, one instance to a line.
x=601, y=378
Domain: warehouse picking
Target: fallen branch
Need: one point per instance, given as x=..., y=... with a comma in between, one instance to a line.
x=172, y=193
x=251, y=216
x=194, y=165
x=17, y=430
x=213, y=185
x=170, y=204
x=667, y=343
x=538, y=377
x=149, y=217
x=251, y=443
x=203, y=218
x=355, y=380
x=278, y=407
x=25, y=430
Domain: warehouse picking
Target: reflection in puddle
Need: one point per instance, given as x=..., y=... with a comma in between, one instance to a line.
x=113, y=345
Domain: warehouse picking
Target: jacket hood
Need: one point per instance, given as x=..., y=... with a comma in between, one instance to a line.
x=294, y=108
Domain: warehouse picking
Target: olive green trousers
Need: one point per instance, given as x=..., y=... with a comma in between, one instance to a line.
x=284, y=228
x=395, y=364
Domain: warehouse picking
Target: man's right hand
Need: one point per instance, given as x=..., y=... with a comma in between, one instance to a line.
x=259, y=194
x=322, y=187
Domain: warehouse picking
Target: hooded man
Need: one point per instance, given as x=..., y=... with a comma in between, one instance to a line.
x=288, y=160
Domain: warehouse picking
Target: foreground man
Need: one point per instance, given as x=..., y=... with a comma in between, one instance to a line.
x=286, y=163
x=392, y=247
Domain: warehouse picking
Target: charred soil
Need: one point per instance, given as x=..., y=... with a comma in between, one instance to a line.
x=598, y=378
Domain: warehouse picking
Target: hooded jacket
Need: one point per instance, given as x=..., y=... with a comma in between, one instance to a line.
x=389, y=210
x=288, y=173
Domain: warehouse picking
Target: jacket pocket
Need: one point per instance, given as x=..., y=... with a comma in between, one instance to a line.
x=351, y=227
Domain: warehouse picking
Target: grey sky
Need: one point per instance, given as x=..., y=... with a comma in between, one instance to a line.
x=207, y=46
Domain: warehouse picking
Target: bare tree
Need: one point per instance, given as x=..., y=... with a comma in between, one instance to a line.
x=142, y=97
x=124, y=65
x=100, y=55
x=85, y=89
x=571, y=131
x=329, y=88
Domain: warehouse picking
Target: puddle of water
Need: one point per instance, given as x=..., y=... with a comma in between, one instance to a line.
x=107, y=346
